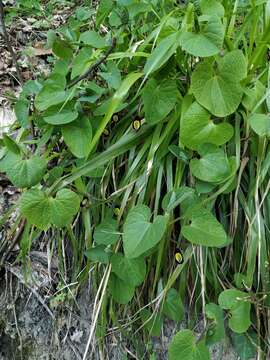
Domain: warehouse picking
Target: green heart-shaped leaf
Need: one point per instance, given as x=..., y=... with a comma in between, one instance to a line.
x=140, y=234
x=208, y=41
x=260, y=124
x=216, y=331
x=197, y=128
x=237, y=302
x=159, y=99
x=120, y=291
x=78, y=135
x=185, y=347
x=173, y=306
x=213, y=166
x=204, y=229
x=23, y=173
x=212, y=7
x=106, y=232
x=216, y=85
x=131, y=271
x=42, y=210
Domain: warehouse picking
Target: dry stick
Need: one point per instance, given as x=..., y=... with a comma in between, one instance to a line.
x=90, y=72
x=6, y=39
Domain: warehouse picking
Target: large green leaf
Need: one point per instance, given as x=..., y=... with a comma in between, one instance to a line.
x=42, y=210
x=212, y=7
x=164, y=50
x=173, y=306
x=198, y=128
x=159, y=99
x=237, y=303
x=131, y=271
x=216, y=84
x=245, y=345
x=213, y=166
x=140, y=234
x=58, y=116
x=260, y=123
x=120, y=291
x=106, y=232
x=204, y=229
x=81, y=62
x=92, y=38
x=208, y=41
x=78, y=135
x=52, y=93
x=23, y=173
x=185, y=347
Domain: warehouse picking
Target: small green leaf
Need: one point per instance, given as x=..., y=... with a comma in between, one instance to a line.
x=260, y=124
x=104, y=9
x=78, y=135
x=62, y=49
x=98, y=254
x=42, y=210
x=212, y=7
x=216, y=331
x=22, y=112
x=23, y=173
x=185, y=347
x=204, y=229
x=175, y=197
x=173, y=306
x=120, y=291
x=216, y=84
x=213, y=166
x=93, y=39
x=238, y=304
x=106, y=232
x=11, y=144
x=52, y=93
x=159, y=99
x=198, y=128
x=208, y=41
x=131, y=271
x=58, y=116
x=140, y=235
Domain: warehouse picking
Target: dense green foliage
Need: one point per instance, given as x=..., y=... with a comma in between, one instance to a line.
x=194, y=176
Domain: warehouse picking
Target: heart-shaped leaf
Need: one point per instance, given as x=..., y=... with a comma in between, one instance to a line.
x=204, y=229
x=238, y=303
x=58, y=116
x=140, y=234
x=159, y=99
x=42, y=210
x=131, y=271
x=92, y=38
x=215, y=317
x=208, y=41
x=23, y=173
x=216, y=84
x=173, y=306
x=185, y=347
x=120, y=291
x=260, y=124
x=78, y=135
x=106, y=232
x=52, y=93
x=213, y=166
x=198, y=128
x=212, y=7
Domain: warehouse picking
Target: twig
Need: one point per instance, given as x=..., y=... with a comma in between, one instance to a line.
x=6, y=39
x=90, y=72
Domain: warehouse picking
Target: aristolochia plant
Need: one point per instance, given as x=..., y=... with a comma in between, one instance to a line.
x=150, y=134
